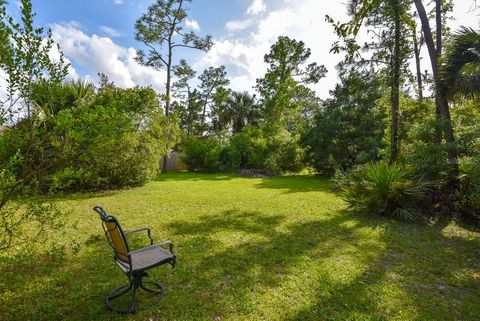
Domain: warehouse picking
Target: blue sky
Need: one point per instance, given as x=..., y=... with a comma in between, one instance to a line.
x=98, y=35
x=121, y=15
x=116, y=18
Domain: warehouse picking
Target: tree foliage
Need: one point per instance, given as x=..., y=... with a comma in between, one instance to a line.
x=25, y=59
x=241, y=110
x=161, y=30
x=387, y=22
x=200, y=108
x=212, y=90
x=349, y=128
x=461, y=65
x=105, y=139
x=283, y=90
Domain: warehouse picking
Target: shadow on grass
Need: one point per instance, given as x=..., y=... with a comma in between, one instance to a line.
x=194, y=176
x=53, y=286
x=412, y=262
x=290, y=184
x=415, y=266
x=231, y=220
x=79, y=196
x=297, y=184
x=231, y=277
x=351, y=276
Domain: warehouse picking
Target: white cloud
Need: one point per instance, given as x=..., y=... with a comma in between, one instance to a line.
x=3, y=87
x=110, y=31
x=243, y=53
x=54, y=55
x=118, y=1
x=97, y=54
x=241, y=49
x=236, y=25
x=242, y=83
x=192, y=24
x=256, y=7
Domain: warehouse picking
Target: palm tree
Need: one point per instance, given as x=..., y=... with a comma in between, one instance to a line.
x=461, y=66
x=49, y=98
x=241, y=110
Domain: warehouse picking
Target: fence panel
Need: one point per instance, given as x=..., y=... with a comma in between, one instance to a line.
x=174, y=163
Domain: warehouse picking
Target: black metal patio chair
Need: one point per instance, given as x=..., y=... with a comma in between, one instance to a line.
x=134, y=263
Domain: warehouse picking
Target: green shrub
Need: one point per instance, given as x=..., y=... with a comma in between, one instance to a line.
x=426, y=157
x=245, y=150
x=284, y=154
x=468, y=192
x=24, y=219
x=115, y=140
x=276, y=153
x=383, y=189
x=84, y=139
x=201, y=154
x=350, y=127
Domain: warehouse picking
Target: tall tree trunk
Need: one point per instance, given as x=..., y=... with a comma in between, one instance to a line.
x=440, y=98
x=443, y=101
x=395, y=90
x=439, y=31
x=416, y=50
x=167, y=101
x=438, y=21
x=169, y=74
x=204, y=115
x=167, y=91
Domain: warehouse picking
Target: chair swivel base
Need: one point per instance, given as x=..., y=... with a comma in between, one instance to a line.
x=136, y=282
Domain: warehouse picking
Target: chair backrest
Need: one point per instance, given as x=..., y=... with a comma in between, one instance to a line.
x=114, y=234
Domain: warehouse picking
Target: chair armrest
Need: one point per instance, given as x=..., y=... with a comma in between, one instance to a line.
x=170, y=246
x=161, y=244
x=143, y=249
x=141, y=230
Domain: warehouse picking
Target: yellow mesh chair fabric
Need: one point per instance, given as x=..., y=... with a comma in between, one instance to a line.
x=117, y=241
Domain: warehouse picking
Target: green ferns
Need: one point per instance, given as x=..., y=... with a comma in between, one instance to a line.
x=384, y=189
x=468, y=193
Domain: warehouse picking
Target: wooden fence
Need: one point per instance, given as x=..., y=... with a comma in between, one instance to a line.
x=174, y=163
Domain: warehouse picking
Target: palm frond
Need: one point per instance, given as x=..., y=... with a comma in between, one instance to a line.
x=461, y=66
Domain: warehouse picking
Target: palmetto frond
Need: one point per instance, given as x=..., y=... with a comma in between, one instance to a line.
x=461, y=66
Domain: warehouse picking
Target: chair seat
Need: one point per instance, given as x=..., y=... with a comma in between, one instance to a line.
x=146, y=258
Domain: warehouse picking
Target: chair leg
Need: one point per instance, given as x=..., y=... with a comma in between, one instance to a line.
x=158, y=288
x=136, y=282
x=134, y=297
x=124, y=289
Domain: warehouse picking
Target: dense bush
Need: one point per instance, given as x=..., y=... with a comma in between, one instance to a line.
x=468, y=192
x=252, y=149
x=91, y=140
x=284, y=154
x=426, y=156
x=383, y=189
x=23, y=217
x=201, y=154
x=467, y=123
x=349, y=128
x=122, y=135
x=245, y=150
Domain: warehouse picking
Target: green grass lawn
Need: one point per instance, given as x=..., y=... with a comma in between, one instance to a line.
x=249, y=249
